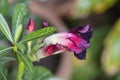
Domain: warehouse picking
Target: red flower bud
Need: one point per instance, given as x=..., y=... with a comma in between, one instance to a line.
x=30, y=26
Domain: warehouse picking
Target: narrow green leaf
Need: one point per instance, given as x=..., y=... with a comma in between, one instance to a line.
x=39, y=73
x=26, y=60
x=3, y=75
x=17, y=33
x=5, y=50
x=2, y=37
x=5, y=29
x=17, y=20
x=21, y=47
x=6, y=59
x=3, y=72
x=38, y=34
x=5, y=78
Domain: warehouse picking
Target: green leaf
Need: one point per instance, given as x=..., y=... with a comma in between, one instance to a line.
x=3, y=75
x=4, y=7
x=6, y=59
x=38, y=34
x=17, y=20
x=17, y=33
x=5, y=29
x=21, y=47
x=3, y=51
x=39, y=73
x=26, y=60
x=2, y=37
x=3, y=72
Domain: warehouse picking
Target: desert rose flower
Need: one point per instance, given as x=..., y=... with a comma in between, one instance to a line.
x=77, y=40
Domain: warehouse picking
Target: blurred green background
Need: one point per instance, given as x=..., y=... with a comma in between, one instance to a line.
x=103, y=57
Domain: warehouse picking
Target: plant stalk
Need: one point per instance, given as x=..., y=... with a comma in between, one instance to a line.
x=29, y=46
x=21, y=65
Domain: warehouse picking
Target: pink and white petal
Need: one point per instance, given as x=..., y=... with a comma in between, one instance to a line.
x=69, y=40
x=40, y=53
x=50, y=50
x=60, y=38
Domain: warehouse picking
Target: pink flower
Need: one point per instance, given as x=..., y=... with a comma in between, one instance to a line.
x=30, y=26
x=76, y=40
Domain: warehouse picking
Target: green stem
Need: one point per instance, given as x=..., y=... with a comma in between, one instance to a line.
x=29, y=46
x=21, y=65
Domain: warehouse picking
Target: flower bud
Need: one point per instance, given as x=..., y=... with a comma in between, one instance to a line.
x=30, y=26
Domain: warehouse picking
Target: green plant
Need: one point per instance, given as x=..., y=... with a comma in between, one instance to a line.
x=19, y=45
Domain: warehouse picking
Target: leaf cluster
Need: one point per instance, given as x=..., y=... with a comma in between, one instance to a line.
x=19, y=45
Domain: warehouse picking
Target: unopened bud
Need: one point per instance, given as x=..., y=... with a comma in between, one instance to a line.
x=30, y=26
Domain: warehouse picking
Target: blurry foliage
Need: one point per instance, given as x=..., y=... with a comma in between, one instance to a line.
x=2, y=36
x=88, y=71
x=111, y=53
x=39, y=73
x=118, y=76
x=86, y=7
x=4, y=58
x=6, y=10
x=94, y=52
x=4, y=7
x=3, y=72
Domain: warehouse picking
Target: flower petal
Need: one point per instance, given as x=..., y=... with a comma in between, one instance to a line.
x=87, y=35
x=71, y=41
x=50, y=50
x=84, y=29
x=81, y=55
x=77, y=44
x=84, y=32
